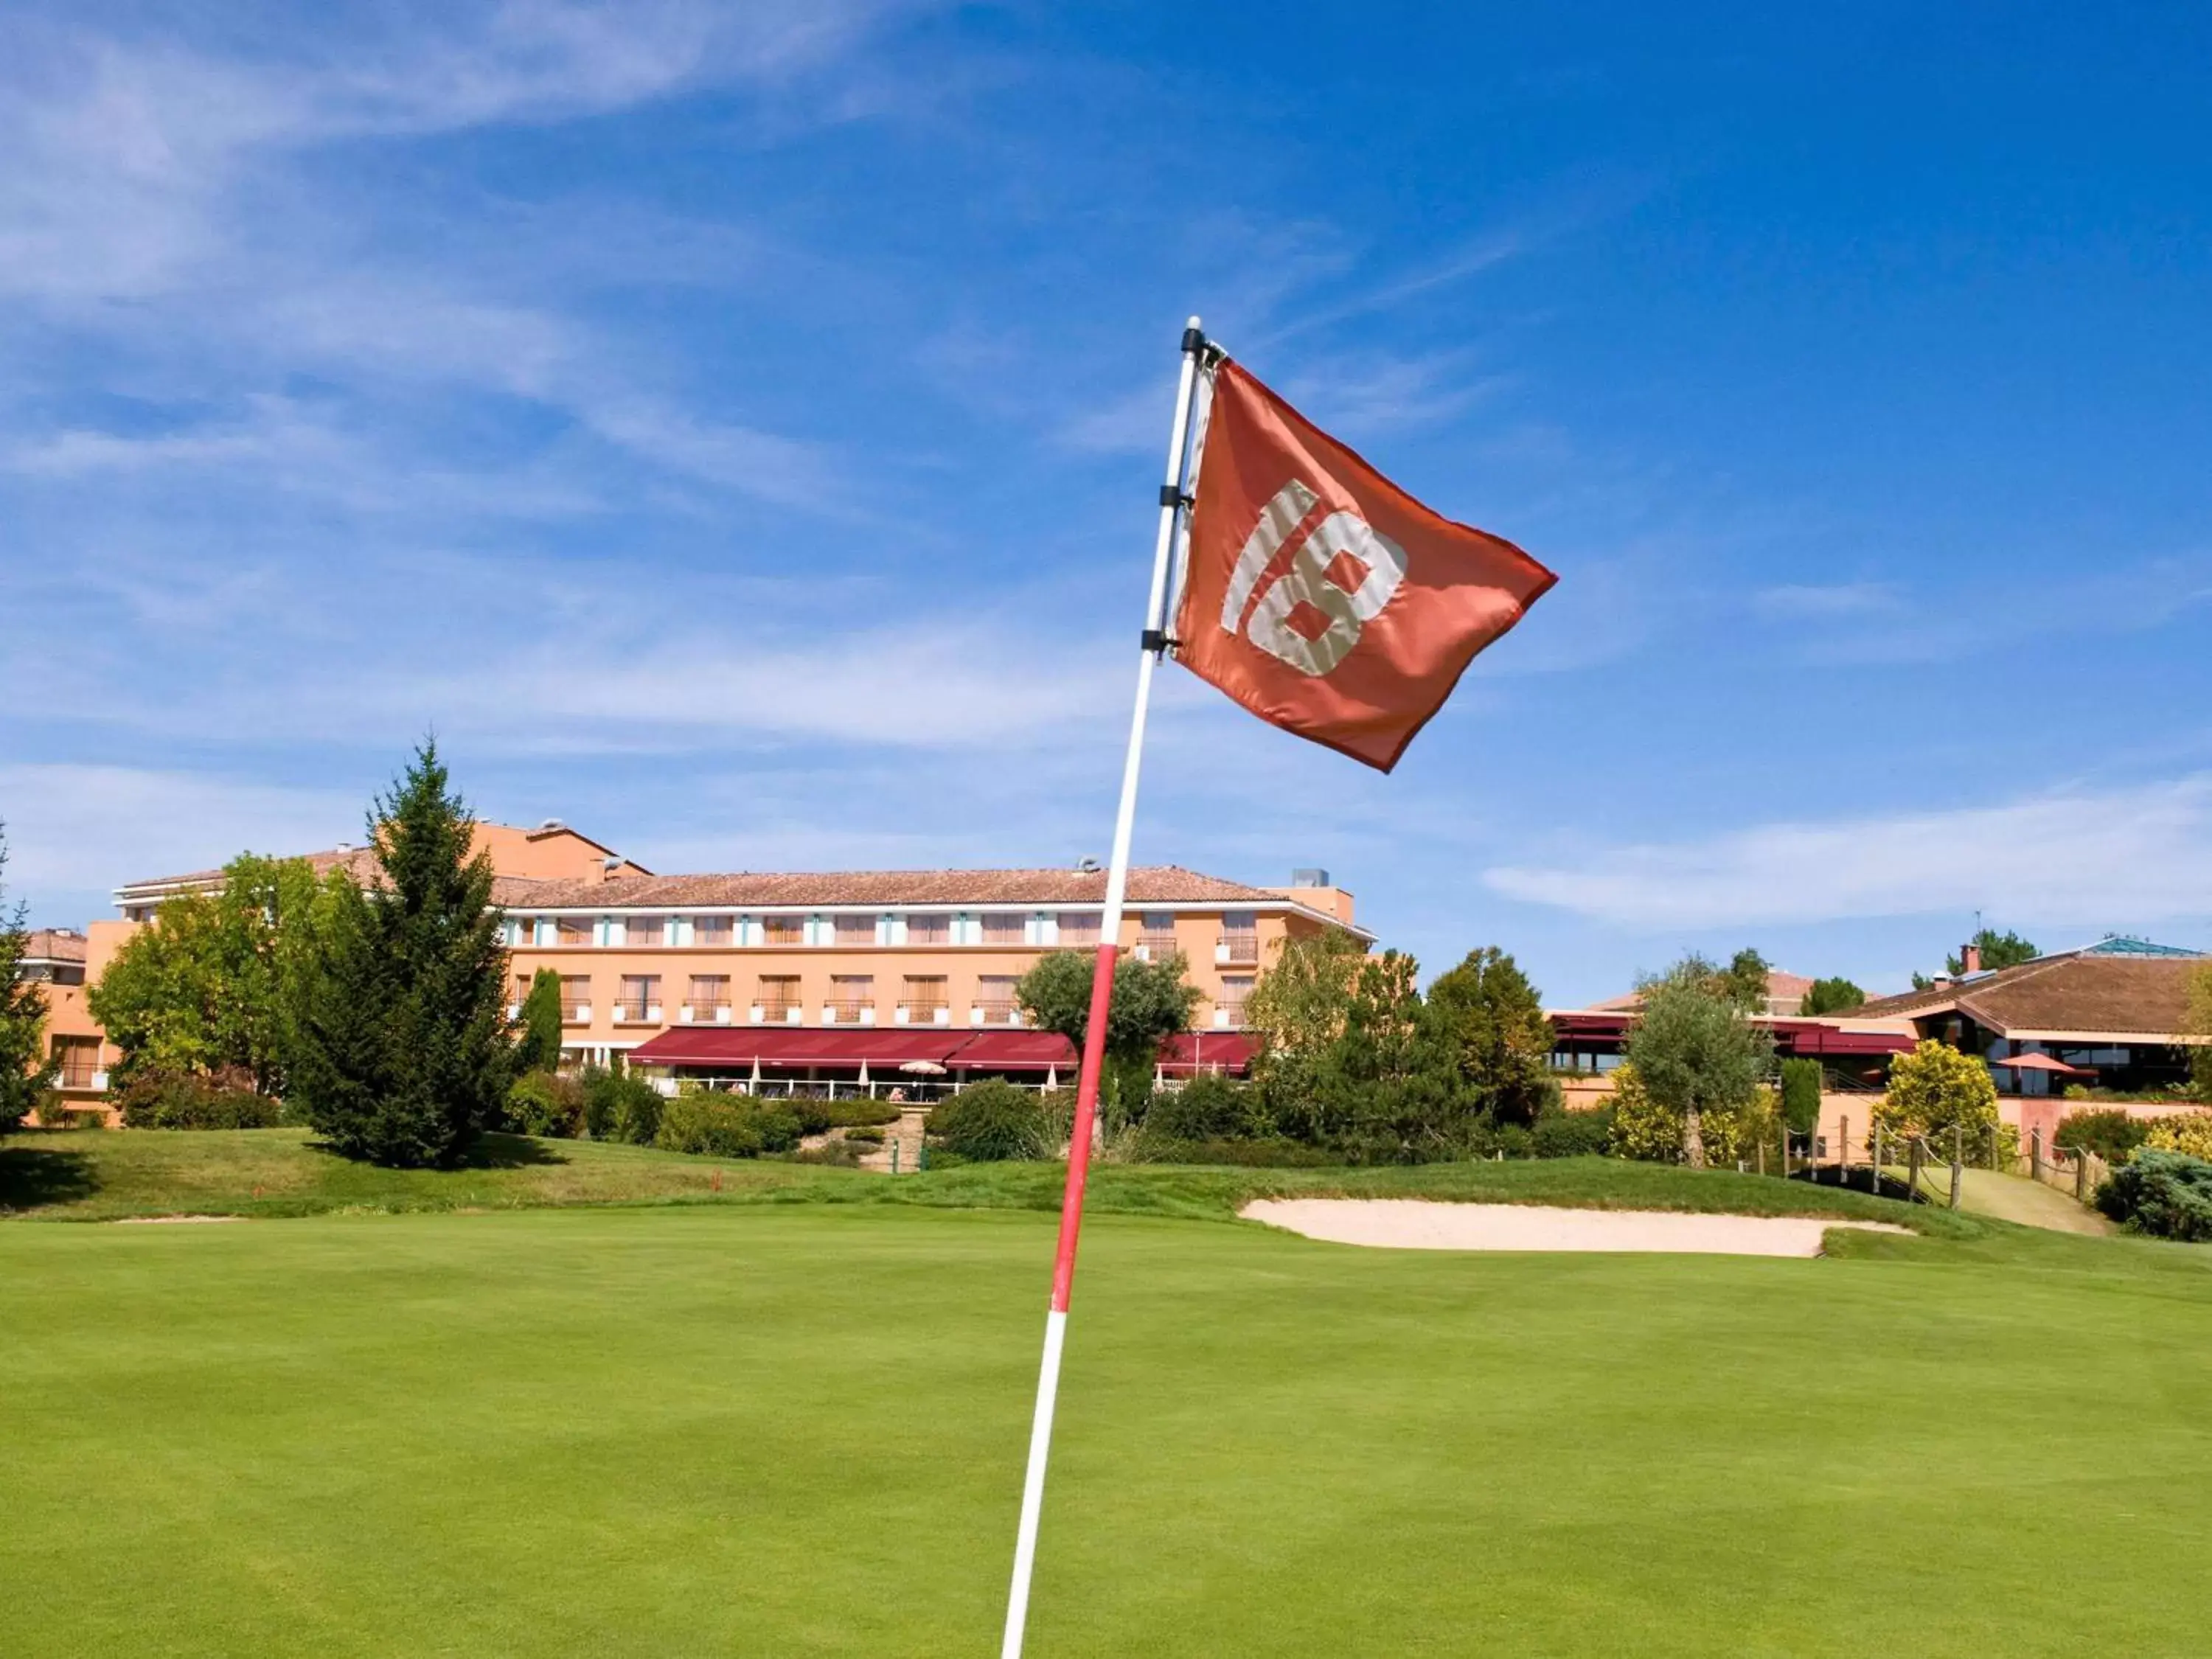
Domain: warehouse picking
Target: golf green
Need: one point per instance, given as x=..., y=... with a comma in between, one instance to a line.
x=797, y=1429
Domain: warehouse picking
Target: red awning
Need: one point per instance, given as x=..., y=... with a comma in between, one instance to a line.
x=739, y=1047
x=1016, y=1051
x=1187, y=1053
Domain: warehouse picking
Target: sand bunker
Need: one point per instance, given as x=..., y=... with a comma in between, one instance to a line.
x=1412, y=1223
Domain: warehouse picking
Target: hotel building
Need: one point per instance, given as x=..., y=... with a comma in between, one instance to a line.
x=813, y=976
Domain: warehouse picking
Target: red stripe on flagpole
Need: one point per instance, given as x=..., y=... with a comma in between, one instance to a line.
x=1086, y=1119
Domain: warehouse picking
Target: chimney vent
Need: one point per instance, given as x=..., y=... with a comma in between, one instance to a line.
x=1309, y=878
x=1970, y=958
x=551, y=823
x=1087, y=865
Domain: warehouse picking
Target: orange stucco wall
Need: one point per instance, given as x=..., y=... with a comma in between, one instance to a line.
x=1198, y=935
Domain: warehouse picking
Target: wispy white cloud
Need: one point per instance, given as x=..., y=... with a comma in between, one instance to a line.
x=89, y=828
x=1844, y=600
x=2119, y=857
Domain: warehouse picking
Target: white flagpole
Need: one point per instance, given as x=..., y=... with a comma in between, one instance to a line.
x=1102, y=988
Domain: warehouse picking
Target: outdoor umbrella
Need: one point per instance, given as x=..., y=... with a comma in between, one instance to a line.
x=2045, y=1063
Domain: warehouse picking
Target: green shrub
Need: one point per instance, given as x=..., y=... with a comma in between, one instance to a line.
x=814, y=1117
x=712, y=1124
x=2109, y=1133
x=1205, y=1108
x=2190, y=1133
x=55, y=1113
x=1510, y=1140
x=1801, y=1095
x=870, y=1134
x=2166, y=1195
x=849, y=1113
x=178, y=1100
x=989, y=1122
x=620, y=1105
x=1572, y=1134
x=546, y=1105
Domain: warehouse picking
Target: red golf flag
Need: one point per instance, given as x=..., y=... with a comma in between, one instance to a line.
x=1323, y=597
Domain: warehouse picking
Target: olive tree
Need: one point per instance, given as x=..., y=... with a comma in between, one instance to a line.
x=1696, y=1050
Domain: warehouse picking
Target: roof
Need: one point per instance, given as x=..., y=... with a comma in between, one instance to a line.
x=361, y=863
x=54, y=944
x=868, y=890
x=2088, y=992
x=2127, y=944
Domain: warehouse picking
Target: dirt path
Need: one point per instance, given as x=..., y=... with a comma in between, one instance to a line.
x=2017, y=1198
x=1404, y=1224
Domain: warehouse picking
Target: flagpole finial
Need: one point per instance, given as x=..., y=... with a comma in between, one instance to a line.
x=1193, y=336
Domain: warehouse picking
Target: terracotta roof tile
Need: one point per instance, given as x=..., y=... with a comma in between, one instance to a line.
x=863, y=889
x=2074, y=992
x=54, y=944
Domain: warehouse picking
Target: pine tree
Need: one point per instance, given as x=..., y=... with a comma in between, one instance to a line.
x=27, y=1070
x=403, y=1056
x=537, y=1048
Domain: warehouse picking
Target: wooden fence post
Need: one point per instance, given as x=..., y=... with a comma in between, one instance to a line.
x=1843, y=1150
x=1958, y=1162
x=2035, y=1153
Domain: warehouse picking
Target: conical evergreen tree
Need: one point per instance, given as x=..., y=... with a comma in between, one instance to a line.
x=538, y=1046
x=402, y=1054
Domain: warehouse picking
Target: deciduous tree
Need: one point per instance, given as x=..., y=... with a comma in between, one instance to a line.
x=209, y=986
x=1696, y=1049
x=1934, y=1089
x=27, y=1070
x=1492, y=1022
x=1150, y=1002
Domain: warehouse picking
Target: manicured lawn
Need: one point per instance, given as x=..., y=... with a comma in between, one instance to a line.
x=796, y=1428
x=103, y=1175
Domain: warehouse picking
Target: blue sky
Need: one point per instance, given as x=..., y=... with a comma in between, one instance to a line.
x=733, y=430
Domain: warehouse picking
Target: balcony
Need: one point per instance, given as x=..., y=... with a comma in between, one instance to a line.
x=1238, y=949
x=1155, y=947
x=704, y=1014
x=575, y=1013
x=637, y=1013
x=849, y=1011
x=919, y=1013
x=1228, y=1016
x=778, y=1013
x=995, y=1010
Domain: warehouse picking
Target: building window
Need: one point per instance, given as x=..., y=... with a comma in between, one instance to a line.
x=709, y=992
x=80, y=1059
x=851, y=997
x=784, y=930
x=929, y=930
x=1156, y=932
x=572, y=930
x=575, y=998
x=711, y=930
x=1002, y=930
x=923, y=997
x=640, y=996
x=522, y=930
x=1079, y=927
x=853, y=930
x=646, y=931
x=995, y=1000
x=779, y=995
x=1240, y=937
x=1234, y=989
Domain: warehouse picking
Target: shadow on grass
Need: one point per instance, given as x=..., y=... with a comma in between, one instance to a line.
x=33, y=1177
x=493, y=1152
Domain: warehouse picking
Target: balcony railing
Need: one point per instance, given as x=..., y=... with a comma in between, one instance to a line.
x=777, y=1012
x=1241, y=948
x=849, y=1011
x=575, y=1013
x=999, y=1011
x=916, y=1011
x=637, y=1013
